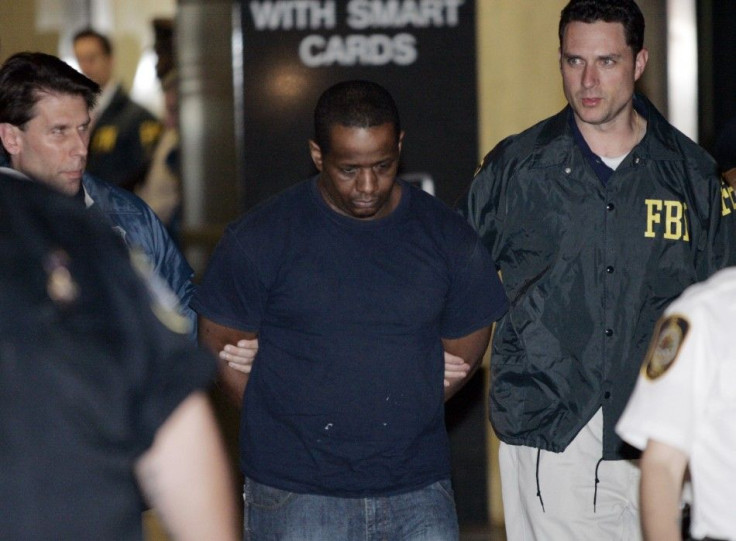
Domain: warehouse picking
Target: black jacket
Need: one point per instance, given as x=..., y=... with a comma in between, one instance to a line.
x=589, y=268
x=122, y=141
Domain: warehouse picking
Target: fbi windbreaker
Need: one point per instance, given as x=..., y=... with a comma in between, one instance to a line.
x=588, y=268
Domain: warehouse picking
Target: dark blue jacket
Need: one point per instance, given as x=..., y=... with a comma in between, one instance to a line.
x=140, y=228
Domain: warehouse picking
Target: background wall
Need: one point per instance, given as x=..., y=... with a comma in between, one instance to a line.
x=48, y=26
x=519, y=79
x=717, y=65
x=519, y=82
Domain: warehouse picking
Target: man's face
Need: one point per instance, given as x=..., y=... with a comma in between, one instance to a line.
x=358, y=173
x=599, y=71
x=52, y=147
x=93, y=61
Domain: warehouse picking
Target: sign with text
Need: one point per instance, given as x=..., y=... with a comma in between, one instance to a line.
x=422, y=51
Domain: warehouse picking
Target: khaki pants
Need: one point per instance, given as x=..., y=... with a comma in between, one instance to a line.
x=567, y=487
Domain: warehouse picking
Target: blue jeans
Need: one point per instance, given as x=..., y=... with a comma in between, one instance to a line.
x=427, y=514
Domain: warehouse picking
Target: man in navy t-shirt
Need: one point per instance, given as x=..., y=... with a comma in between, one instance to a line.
x=354, y=284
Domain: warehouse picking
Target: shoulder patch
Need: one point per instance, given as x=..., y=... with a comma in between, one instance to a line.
x=104, y=139
x=61, y=287
x=668, y=337
x=149, y=132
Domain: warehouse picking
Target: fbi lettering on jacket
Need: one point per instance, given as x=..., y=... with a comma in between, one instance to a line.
x=667, y=219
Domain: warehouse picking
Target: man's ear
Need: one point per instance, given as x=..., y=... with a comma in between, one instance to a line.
x=401, y=139
x=316, y=154
x=10, y=137
x=640, y=62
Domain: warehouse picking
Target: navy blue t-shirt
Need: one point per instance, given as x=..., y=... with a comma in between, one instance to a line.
x=346, y=394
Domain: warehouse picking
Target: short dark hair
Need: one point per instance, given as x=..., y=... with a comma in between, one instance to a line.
x=625, y=12
x=92, y=33
x=25, y=77
x=357, y=104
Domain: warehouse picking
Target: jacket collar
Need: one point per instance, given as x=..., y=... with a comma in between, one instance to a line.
x=5, y=167
x=555, y=144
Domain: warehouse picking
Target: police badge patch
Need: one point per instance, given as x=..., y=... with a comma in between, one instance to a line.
x=668, y=338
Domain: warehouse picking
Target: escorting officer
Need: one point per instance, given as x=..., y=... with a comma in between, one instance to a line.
x=597, y=217
x=124, y=134
x=682, y=414
x=44, y=130
x=101, y=395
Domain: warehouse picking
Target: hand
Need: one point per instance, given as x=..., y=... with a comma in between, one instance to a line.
x=455, y=368
x=240, y=357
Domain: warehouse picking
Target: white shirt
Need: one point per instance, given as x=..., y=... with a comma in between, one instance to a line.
x=686, y=398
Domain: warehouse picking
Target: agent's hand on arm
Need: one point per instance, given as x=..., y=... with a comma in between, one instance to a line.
x=216, y=337
x=185, y=475
x=469, y=348
x=240, y=356
x=456, y=369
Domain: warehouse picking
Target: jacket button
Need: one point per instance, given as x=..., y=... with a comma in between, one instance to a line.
x=609, y=269
x=568, y=170
x=609, y=332
x=607, y=395
x=610, y=206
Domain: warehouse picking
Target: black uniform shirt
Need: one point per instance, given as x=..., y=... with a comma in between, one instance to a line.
x=88, y=373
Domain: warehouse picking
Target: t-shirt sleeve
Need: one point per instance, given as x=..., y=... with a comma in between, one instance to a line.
x=667, y=404
x=476, y=297
x=231, y=292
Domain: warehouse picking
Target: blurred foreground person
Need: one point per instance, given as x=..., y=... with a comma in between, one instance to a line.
x=101, y=397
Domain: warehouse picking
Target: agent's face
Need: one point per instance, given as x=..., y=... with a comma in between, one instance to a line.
x=52, y=147
x=357, y=175
x=599, y=71
x=93, y=61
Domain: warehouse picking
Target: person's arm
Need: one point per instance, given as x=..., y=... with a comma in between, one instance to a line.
x=215, y=337
x=185, y=475
x=470, y=348
x=662, y=472
x=240, y=356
